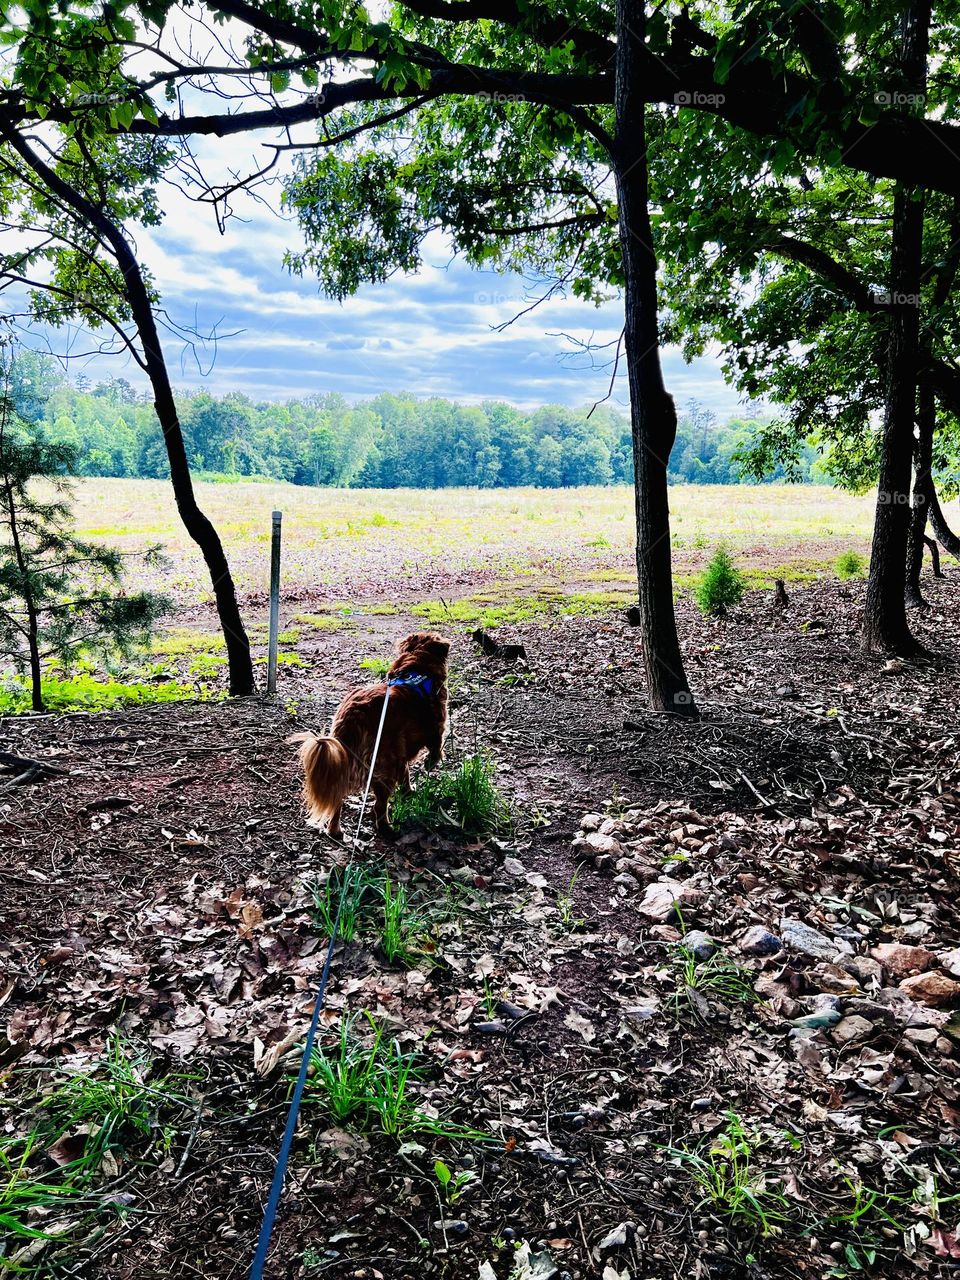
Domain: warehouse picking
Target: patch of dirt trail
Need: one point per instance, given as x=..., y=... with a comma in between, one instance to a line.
x=809, y=823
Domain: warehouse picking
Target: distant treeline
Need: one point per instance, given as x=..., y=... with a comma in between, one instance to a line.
x=388, y=442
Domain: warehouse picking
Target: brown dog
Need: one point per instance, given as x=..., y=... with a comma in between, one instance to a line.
x=337, y=766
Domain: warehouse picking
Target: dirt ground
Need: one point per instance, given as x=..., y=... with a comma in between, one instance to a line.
x=639, y=1121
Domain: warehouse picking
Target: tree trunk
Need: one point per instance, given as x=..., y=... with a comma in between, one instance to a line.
x=194, y=520
x=926, y=420
x=33, y=622
x=941, y=530
x=652, y=414
x=885, y=627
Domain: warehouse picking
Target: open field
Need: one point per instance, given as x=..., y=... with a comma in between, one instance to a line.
x=360, y=544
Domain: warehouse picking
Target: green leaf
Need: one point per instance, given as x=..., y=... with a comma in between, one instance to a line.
x=443, y=1173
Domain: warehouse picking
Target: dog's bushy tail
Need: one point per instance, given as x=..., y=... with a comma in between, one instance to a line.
x=327, y=773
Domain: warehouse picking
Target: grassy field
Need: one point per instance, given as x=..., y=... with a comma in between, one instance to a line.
x=367, y=544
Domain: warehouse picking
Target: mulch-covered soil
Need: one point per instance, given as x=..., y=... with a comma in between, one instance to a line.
x=789, y=1105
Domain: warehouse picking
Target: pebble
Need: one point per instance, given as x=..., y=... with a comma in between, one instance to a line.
x=700, y=945
x=514, y=867
x=950, y=960
x=591, y=821
x=809, y=941
x=900, y=960
x=758, y=941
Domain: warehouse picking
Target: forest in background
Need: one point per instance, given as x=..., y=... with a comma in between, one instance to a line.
x=391, y=441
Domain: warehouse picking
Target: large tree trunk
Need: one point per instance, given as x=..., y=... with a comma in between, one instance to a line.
x=652, y=413
x=885, y=628
x=195, y=521
x=923, y=448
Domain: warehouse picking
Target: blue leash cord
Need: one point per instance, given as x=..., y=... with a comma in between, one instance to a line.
x=276, y=1187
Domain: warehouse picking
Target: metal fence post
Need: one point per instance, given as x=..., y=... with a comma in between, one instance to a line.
x=274, y=603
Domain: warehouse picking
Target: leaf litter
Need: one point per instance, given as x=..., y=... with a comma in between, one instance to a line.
x=813, y=839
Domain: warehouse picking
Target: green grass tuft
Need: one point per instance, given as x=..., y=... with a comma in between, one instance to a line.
x=726, y=1172
x=368, y=1081
x=378, y=667
x=465, y=798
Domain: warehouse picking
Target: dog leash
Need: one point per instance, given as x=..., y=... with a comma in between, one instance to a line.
x=283, y=1157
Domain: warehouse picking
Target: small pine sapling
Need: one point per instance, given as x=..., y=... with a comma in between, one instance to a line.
x=60, y=597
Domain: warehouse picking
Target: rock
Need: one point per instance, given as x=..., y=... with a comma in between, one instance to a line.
x=934, y=990
x=609, y=826
x=601, y=842
x=900, y=960
x=758, y=941
x=922, y=1035
x=591, y=821
x=831, y=978
x=700, y=945
x=867, y=971
x=853, y=1027
x=660, y=900
x=895, y=1006
x=916, y=930
x=809, y=941
x=640, y=870
x=950, y=960
x=514, y=867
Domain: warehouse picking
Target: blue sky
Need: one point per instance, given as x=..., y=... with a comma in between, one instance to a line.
x=432, y=333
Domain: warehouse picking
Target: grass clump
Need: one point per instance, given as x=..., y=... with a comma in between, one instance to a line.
x=116, y=1105
x=697, y=982
x=24, y=1195
x=376, y=908
x=403, y=930
x=181, y=642
x=369, y=1081
x=850, y=564
x=466, y=798
x=87, y=693
x=377, y=667
x=726, y=1173
x=720, y=586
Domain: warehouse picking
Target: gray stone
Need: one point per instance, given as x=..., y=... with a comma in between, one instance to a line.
x=808, y=941
x=700, y=945
x=758, y=941
x=850, y=1028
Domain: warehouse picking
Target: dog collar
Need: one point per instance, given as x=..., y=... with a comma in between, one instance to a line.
x=414, y=680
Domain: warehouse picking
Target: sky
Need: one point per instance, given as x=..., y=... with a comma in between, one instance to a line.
x=432, y=333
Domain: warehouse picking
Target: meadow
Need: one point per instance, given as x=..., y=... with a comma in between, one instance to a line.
x=403, y=543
